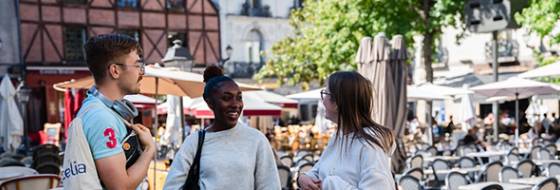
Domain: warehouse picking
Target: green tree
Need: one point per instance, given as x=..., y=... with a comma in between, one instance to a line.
x=541, y=17
x=328, y=32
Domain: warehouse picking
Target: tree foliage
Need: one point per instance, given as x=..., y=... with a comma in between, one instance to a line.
x=328, y=32
x=541, y=17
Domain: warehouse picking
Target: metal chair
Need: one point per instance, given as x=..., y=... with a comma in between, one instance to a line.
x=417, y=161
x=439, y=164
x=418, y=173
x=410, y=183
x=490, y=172
x=534, y=152
x=466, y=162
x=305, y=167
x=455, y=179
x=40, y=181
x=544, y=154
x=512, y=158
x=493, y=187
x=508, y=173
x=432, y=150
x=550, y=183
x=285, y=177
x=527, y=168
x=553, y=169
x=551, y=148
x=287, y=161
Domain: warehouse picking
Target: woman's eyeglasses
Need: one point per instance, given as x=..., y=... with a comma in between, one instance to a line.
x=324, y=93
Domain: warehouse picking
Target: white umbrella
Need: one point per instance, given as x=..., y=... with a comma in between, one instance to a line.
x=517, y=87
x=169, y=81
x=544, y=71
x=273, y=98
x=173, y=129
x=467, y=115
x=251, y=107
x=11, y=122
x=307, y=95
x=140, y=99
x=417, y=93
x=535, y=111
x=321, y=121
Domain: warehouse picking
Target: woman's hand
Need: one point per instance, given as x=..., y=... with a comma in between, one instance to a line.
x=308, y=183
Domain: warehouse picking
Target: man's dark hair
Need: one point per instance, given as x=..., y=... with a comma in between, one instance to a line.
x=102, y=49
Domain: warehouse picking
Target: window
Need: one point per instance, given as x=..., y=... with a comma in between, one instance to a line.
x=128, y=4
x=175, y=4
x=74, y=40
x=74, y=1
x=172, y=36
x=254, y=47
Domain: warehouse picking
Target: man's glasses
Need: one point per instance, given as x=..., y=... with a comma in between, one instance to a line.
x=139, y=64
x=323, y=94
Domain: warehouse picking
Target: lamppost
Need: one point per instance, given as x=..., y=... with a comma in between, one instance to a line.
x=230, y=68
x=179, y=57
x=23, y=94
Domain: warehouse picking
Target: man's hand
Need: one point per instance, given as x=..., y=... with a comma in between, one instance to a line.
x=309, y=183
x=144, y=136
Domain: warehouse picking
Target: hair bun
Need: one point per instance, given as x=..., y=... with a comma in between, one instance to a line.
x=212, y=71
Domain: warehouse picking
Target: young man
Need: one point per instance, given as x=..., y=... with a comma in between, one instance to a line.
x=114, y=61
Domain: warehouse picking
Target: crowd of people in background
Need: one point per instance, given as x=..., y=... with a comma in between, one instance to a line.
x=451, y=133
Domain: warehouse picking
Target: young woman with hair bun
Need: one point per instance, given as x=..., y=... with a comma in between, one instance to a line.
x=233, y=156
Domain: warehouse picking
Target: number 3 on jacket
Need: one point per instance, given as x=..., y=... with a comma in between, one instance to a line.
x=110, y=133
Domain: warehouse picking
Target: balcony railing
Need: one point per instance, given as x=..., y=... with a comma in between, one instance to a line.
x=508, y=51
x=255, y=10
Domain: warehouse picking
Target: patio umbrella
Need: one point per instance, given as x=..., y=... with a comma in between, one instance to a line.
x=415, y=92
x=273, y=98
x=519, y=88
x=170, y=81
x=535, y=111
x=544, y=71
x=307, y=95
x=375, y=67
x=173, y=129
x=251, y=107
x=467, y=115
x=11, y=123
x=384, y=66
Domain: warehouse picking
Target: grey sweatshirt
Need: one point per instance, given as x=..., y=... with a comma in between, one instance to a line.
x=237, y=158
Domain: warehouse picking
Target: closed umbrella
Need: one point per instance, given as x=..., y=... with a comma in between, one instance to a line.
x=173, y=129
x=467, y=115
x=11, y=123
x=517, y=87
x=535, y=111
x=384, y=67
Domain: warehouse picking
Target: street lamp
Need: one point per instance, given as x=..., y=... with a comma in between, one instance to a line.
x=179, y=57
x=23, y=94
x=229, y=51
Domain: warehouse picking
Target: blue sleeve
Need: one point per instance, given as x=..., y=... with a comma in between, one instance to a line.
x=104, y=133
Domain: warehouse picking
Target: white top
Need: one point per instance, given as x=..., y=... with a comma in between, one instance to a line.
x=237, y=158
x=347, y=164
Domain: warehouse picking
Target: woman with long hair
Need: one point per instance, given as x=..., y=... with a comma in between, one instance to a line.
x=357, y=156
x=233, y=155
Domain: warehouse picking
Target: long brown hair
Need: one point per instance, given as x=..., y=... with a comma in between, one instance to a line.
x=353, y=96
